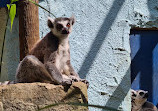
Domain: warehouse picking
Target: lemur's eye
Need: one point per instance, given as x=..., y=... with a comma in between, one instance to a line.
x=59, y=26
x=68, y=25
x=141, y=93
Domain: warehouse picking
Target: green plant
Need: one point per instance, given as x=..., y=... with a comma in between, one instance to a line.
x=80, y=104
x=12, y=10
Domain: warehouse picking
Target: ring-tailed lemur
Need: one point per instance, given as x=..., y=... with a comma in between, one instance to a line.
x=49, y=59
x=139, y=101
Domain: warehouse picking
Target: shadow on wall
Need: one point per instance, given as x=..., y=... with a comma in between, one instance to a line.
x=120, y=92
x=96, y=45
x=99, y=39
x=152, y=7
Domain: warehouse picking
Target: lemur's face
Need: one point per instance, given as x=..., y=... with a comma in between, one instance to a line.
x=61, y=27
x=139, y=96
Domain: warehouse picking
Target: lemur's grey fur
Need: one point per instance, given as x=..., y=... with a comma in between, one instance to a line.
x=49, y=59
x=139, y=101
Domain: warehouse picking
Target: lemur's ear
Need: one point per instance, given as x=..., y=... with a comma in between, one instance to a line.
x=133, y=92
x=50, y=22
x=72, y=18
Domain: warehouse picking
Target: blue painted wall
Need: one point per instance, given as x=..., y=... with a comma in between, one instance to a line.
x=144, y=66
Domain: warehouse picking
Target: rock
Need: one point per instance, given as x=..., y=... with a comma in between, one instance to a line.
x=33, y=96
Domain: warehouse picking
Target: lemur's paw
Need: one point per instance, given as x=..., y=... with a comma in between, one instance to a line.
x=67, y=82
x=5, y=83
x=74, y=78
x=85, y=81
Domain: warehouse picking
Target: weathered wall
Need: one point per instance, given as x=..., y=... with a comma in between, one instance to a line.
x=100, y=49
x=3, y=22
x=10, y=58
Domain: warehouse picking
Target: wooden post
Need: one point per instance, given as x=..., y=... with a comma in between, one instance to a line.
x=28, y=26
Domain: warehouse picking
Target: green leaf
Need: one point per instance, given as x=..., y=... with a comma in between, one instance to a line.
x=12, y=13
x=8, y=6
x=80, y=104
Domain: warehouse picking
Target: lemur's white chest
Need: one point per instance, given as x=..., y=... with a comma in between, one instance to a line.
x=63, y=57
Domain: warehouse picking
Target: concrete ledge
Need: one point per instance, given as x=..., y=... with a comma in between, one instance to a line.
x=32, y=96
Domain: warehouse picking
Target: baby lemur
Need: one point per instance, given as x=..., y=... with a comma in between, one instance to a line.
x=139, y=101
x=49, y=59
